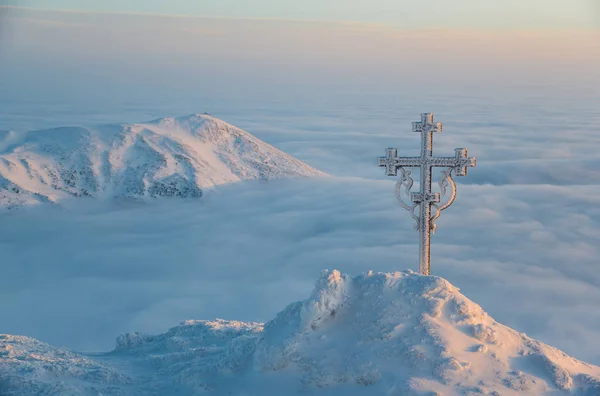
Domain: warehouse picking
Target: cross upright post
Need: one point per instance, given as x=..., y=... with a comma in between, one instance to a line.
x=425, y=199
x=426, y=127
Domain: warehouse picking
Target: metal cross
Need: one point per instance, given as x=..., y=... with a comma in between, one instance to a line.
x=425, y=199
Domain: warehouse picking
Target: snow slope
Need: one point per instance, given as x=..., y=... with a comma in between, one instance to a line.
x=166, y=157
x=376, y=334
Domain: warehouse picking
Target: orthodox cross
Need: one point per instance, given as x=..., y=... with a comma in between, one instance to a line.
x=425, y=199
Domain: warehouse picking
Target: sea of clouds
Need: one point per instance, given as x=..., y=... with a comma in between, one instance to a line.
x=522, y=238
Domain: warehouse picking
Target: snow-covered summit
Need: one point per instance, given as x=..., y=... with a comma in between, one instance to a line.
x=165, y=157
x=376, y=334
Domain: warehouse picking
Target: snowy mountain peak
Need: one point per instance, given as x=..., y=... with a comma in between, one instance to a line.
x=415, y=334
x=378, y=333
x=165, y=157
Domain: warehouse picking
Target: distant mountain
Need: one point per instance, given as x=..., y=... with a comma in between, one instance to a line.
x=376, y=334
x=178, y=157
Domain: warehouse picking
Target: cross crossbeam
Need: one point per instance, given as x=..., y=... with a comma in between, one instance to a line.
x=425, y=198
x=392, y=162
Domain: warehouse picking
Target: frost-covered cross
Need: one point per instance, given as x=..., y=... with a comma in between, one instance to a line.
x=425, y=199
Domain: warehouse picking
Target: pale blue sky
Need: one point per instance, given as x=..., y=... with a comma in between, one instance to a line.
x=512, y=14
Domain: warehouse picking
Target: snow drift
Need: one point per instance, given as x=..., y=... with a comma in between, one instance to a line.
x=376, y=334
x=167, y=157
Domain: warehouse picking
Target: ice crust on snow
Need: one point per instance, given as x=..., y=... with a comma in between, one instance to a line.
x=178, y=157
x=378, y=333
x=31, y=367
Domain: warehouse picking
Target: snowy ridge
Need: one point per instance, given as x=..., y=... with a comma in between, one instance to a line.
x=166, y=157
x=376, y=334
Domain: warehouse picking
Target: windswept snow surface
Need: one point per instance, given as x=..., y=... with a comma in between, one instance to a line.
x=376, y=334
x=166, y=157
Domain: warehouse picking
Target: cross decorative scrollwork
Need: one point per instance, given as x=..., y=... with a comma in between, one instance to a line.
x=425, y=199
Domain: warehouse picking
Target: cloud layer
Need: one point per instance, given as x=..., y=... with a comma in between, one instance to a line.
x=79, y=277
x=521, y=239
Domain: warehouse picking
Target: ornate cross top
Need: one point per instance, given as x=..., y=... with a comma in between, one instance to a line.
x=425, y=199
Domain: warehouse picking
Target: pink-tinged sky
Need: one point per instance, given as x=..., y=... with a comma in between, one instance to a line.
x=98, y=48
x=506, y=14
